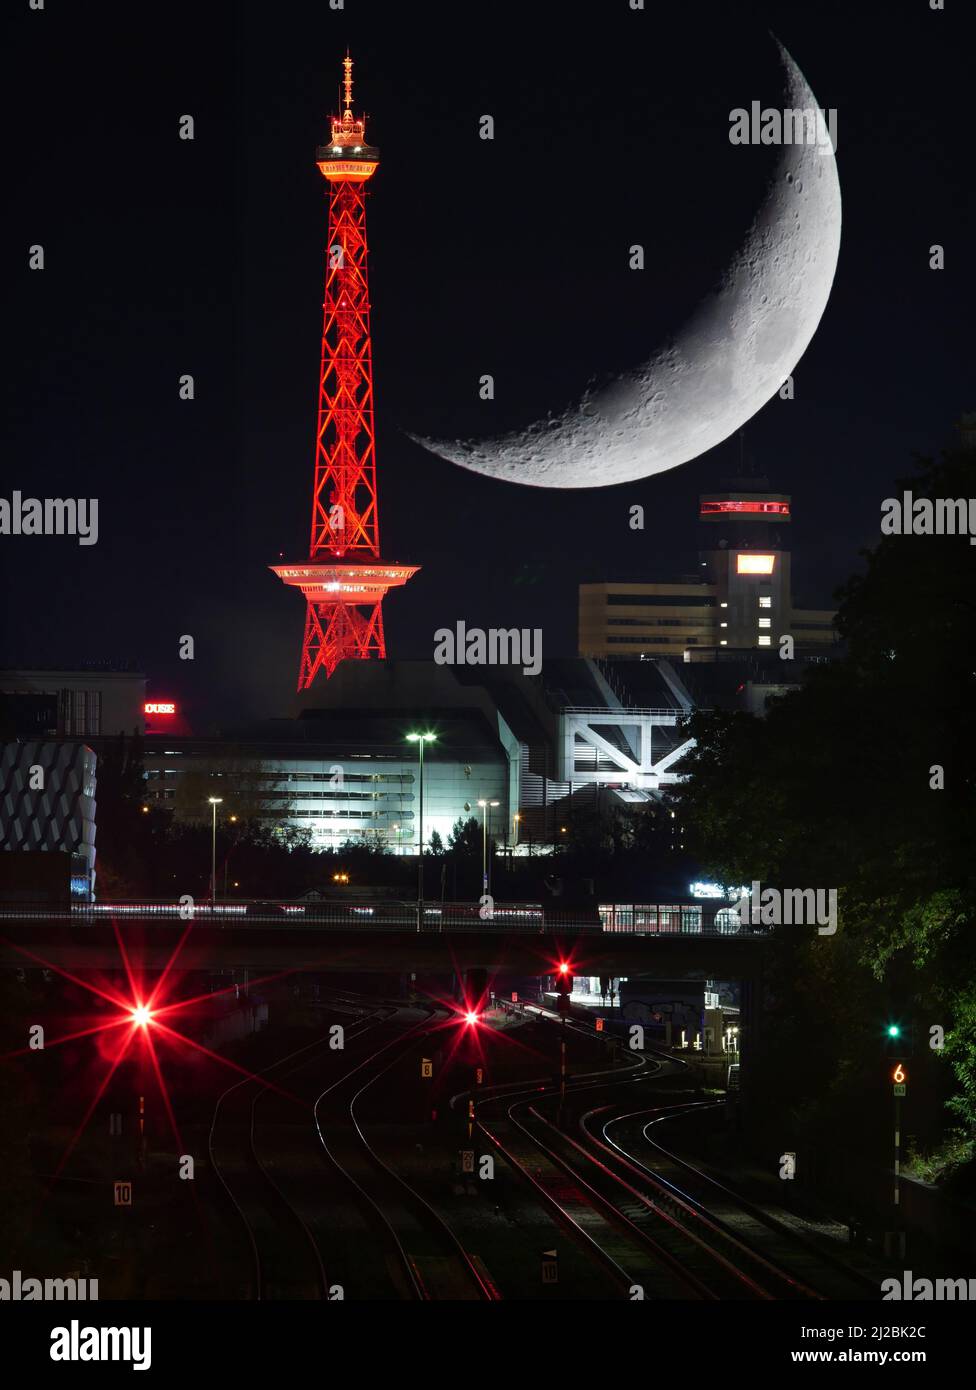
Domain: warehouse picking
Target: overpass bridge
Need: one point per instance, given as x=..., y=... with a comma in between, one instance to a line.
x=385, y=938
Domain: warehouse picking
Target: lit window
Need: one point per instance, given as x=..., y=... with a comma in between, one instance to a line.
x=765, y=641
x=765, y=622
x=765, y=601
x=754, y=564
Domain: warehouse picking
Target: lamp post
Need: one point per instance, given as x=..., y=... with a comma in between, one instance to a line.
x=420, y=740
x=484, y=842
x=515, y=829
x=214, y=802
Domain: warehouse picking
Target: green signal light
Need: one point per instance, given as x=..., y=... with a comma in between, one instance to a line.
x=894, y=1031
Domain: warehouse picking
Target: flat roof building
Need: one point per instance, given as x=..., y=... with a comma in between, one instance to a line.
x=740, y=600
x=63, y=703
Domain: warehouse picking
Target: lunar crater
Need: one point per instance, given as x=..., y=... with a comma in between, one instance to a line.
x=707, y=380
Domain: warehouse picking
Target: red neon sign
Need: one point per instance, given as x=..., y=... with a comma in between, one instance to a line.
x=159, y=707
x=767, y=508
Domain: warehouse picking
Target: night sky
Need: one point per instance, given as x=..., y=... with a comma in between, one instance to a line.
x=509, y=257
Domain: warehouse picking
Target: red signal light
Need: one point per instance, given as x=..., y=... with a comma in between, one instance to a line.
x=471, y=1017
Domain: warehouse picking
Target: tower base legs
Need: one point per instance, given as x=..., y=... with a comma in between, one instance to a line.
x=337, y=631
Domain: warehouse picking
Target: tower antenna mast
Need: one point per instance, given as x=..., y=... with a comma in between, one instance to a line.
x=344, y=580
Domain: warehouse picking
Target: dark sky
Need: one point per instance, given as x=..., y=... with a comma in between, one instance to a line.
x=509, y=257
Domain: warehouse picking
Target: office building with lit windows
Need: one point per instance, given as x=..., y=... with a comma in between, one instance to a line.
x=343, y=765
x=739, y=601
x=352, y=777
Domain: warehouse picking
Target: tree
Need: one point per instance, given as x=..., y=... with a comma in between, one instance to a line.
x=252, y=791
x=125, y=831
x=865, y=780
x=465, y=838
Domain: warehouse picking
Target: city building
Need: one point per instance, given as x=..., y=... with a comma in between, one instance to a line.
x=740, y=599
x=536, y=750
x=533, y=749
x=47, y=806
x=353, y=776
x=45, y=703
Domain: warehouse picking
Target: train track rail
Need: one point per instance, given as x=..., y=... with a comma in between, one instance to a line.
x=431, y=1259
x=286, y=1259
x=656, y=1239
x=787, y=1248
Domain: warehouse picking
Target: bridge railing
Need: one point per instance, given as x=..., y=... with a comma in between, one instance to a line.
x=365, y=916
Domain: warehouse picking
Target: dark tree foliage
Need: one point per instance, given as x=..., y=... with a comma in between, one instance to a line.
x=865, y=781
x=465, y=838
x=19, y=1108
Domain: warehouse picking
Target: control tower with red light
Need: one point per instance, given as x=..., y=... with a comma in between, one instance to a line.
x=745, y=553
x=344, y=580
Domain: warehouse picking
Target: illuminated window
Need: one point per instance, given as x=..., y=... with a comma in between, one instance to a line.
x=765, y=641
x=765, y=601
x=765, y=622
x=754, y=564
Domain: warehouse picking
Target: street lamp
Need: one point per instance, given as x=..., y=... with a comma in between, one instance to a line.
x=515, y=829
x=420, y=740
x=214, y=802
x=484, y=842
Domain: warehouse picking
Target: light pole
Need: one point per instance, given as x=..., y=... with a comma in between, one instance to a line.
x=420, y=740
x=233, y=821
x=214, y=802
x=484, y=842
x=515, y=829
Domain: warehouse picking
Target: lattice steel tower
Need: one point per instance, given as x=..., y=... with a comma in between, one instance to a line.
x=344, y=580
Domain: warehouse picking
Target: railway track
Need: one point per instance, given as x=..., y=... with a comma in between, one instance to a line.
x=656, y=1238
x=327, y=1214
x=432, y=1262
x=787, y=1248
x=305, y=1223
x=286, y=1258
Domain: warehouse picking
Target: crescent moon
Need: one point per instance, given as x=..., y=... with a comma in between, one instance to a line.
x=729, y=359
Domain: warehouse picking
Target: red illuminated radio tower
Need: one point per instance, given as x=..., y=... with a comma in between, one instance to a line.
x=344, y=580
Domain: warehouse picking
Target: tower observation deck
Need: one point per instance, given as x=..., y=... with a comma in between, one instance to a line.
x=344, y=580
